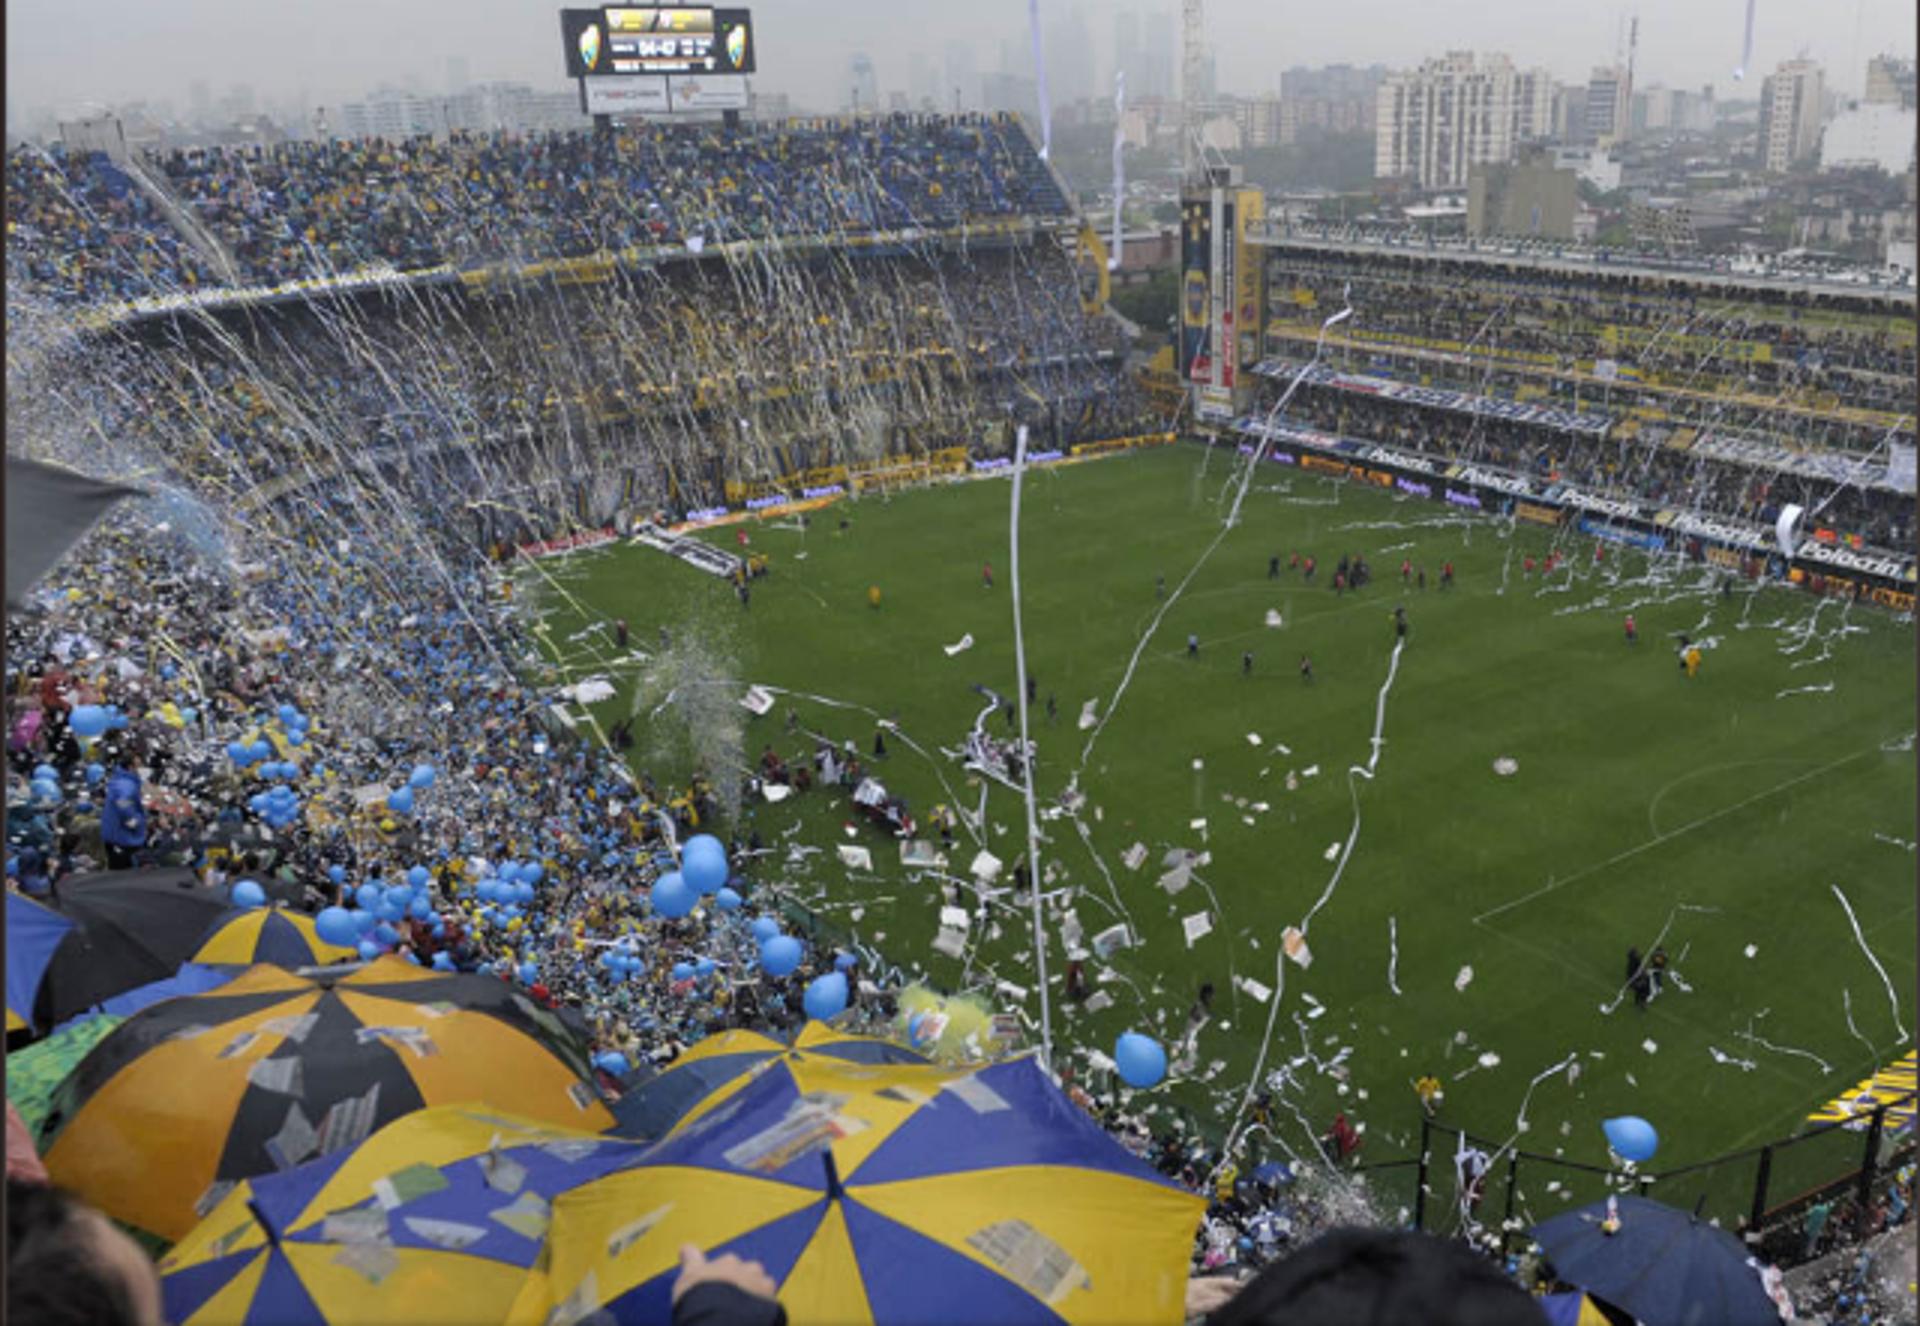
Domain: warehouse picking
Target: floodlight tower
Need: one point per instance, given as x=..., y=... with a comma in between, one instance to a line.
x=1193, y=59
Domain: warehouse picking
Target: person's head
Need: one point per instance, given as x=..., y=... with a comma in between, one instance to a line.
x=1358, y=1276
x=67, y=1263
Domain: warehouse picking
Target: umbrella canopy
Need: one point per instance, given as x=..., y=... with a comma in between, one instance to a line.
x=437, y=1217
x=48, y=509
x=1664, y=1266
x=892, y=1193
x=720, y=1065
x=131, y=927
x=191, y=979
x=192, y=1095
x=263, y=934
x=653, y=1108
x=33, y=933
x=35, y=1073
x=1572, y=1310
x=819, y=1038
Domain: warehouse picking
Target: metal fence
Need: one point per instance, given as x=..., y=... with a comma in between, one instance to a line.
x=1767, y=1193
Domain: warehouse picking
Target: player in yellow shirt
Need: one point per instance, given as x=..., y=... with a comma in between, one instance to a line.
x=1692, y=660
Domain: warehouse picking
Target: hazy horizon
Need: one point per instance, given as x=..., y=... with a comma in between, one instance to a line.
x=343, y=51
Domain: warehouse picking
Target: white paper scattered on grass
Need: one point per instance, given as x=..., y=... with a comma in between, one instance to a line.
x=775, y=791
x=1253, y=738
x=1333, y=850
x=1198, y=764
x=859, y=858
x=1099, y=1001
x=1311, y=771
x=1489, y=1060
x=985, y=867
x=1752, y=949
x=1294, y=945
x=966, y=643
x=1197, y=926
x=1649, y=1046
x=1274, y=618
x=1088, y=717
x=757, y=700
x=1134, y=857
x=1464, y=979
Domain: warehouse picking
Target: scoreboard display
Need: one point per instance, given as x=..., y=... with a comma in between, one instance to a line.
x=623, y=40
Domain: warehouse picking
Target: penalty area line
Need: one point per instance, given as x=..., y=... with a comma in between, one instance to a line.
x=1658, y=839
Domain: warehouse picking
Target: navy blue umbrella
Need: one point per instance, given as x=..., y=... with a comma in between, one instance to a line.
x=1664, y=1266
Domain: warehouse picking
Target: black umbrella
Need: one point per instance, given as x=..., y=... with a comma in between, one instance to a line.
x=131, y=927
x=48, y=510
x=1664, y=1266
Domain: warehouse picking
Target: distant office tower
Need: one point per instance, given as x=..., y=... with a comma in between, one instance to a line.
x=1609, y=103
x=1890, y=82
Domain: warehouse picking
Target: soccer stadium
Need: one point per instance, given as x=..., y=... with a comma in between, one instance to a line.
x=672, y=721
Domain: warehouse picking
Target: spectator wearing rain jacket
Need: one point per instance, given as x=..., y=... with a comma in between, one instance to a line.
x=123, y=819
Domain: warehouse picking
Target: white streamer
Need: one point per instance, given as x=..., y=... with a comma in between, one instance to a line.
x=1026, y=748
x=1893, y=1000
x=1040, y=81
x=1119, y=164
x=1393, y=954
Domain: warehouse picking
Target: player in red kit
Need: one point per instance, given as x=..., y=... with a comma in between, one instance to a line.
x=1406, y=569
x=1633, y=631
x=986, y=575
x=1446, y=575
x=1529, y=564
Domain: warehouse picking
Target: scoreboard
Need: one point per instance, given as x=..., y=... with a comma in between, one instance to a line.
x=623, y=41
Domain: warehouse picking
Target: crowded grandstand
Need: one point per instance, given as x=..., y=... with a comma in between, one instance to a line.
x=350, y=394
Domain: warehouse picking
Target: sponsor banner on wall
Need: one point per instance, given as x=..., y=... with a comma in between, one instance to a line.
x=627, y=96
x=1535, y=514
x=1618, y=534
x=688, y=94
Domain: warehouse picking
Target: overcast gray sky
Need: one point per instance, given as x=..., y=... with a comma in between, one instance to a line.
x=59, y=54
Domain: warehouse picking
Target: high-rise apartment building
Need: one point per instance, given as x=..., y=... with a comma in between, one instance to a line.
x=1790, y=114
x=1435, y=123
x=1609, y=105
x=1890, y=82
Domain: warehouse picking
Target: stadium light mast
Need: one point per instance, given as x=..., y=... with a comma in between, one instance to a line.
x=1193, y=58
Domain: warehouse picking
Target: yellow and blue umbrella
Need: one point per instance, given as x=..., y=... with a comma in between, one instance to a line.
x=33, y=933
x=438, y=1217
x=269, y=934
x=893, y=1192
x=721, y=1064
x=1572, y=1309
x=192, y=1095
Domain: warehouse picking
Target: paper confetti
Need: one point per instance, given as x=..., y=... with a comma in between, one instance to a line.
x=1197, y=926
x=1752, y=949
x=1464, y=979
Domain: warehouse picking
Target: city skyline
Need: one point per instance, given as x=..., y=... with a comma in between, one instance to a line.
x=159, y=55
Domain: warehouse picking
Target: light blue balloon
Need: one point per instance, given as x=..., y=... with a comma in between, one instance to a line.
x=364, y=922
x=335, y=925
x=845, y=961
x=337, y=873
x=780, y=955
x=826, y=996
x=422, y=776
x=529, y=973
x=418, y=877
x=443, y=961
x=89, y=720
x=613, y=1064
x=532, y=872
x=1141, y=1060
x=385, y=933
x=523, y=892
x=400, y=802
x=48, y=772
x=397, y=894
x=705, y=967
x=368, y=896
x=248, y=893
x=671, y=896
x=706, y=869
x=764, y=928
x=727, y=900
x=420, y=909
x=683, y=971
x=369, y=950
x=240, y=753
x=1631, y=1137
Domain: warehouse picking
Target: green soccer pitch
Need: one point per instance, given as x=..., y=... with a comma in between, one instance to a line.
x=1714, y=814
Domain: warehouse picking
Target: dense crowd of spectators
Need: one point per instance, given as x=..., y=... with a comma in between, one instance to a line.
x=1703, y=339
x=308, y=209
x=1640, y=468
x=79, y=229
